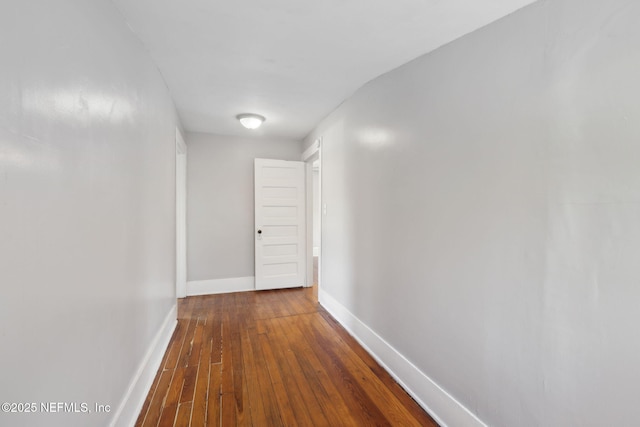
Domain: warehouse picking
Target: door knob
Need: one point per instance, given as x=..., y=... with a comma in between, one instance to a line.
x=259, y=231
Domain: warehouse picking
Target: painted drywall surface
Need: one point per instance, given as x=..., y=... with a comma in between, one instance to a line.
x=87, y=210
x=482, y=214
x=220, y=202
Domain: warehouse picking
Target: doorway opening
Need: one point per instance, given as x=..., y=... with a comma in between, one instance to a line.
x=313, y=159
x=315, y=172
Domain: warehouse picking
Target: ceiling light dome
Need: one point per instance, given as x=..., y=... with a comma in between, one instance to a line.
x=250, y=121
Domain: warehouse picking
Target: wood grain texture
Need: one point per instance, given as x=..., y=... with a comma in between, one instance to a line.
x=271, y=358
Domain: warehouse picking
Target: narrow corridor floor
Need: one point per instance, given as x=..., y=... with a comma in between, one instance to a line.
x=271, y=358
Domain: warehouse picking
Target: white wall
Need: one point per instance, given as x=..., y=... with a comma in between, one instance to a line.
x=87, y=211
x=483, y=207
x=220, y=206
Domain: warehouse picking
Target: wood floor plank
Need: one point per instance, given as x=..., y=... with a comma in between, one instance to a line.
x=227, y=366
x=228, y=408
x=176, y=387
x=214, y=322
x=299, y=303
x=189, y=384
x=279, y=310
x=277, y=383
x=173, y=351
x=199, y=410
x=168, y=417
x=292, y=391
x=270, y=358
x=171, y=400
x=187, y=345
x=214, y=409
x=304, y=379
x=263, y=326
x=237, y=370
x=152, y=390
x=196, y=344
x=267, y=391
x=242, y=407
x=233, y=385
x=157, y=400
x=327, y=395
x=183, y=418
x=254, y=393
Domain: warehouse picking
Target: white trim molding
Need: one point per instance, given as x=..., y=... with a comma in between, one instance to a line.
x=131, y=404
x=443, y=407
x=221, y=286
x=181, y=215
x=313, y=149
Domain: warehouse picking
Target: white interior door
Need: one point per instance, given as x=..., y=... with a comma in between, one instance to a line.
x=280, y=227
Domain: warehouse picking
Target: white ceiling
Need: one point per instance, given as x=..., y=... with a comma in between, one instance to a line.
x=292, y=61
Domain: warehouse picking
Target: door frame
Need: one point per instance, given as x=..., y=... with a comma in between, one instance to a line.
x=310, y=155
x=181, y=216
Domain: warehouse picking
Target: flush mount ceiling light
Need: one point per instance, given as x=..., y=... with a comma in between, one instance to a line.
x=250, y=121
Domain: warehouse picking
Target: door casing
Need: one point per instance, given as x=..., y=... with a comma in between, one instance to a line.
x=181, y=216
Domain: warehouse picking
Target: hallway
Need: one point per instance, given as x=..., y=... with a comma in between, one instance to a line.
x=270, y=358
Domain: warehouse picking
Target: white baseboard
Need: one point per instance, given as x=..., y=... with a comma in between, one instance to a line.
x=130, y=406
x=316, y=251
x=220, y=286
x=443, y=407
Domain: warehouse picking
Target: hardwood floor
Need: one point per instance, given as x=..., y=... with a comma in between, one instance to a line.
x=271, y=358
